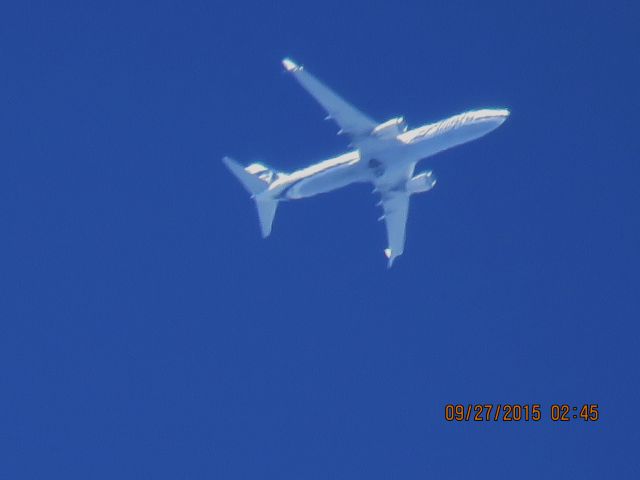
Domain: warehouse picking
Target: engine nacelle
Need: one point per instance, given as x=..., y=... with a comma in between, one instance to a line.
x=391, y=128
x=423, y=182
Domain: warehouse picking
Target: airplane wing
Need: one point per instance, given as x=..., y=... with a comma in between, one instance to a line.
x=396, y=211
x=351, y=120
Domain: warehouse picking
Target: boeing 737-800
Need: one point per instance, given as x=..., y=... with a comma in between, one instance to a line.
x=384, y=154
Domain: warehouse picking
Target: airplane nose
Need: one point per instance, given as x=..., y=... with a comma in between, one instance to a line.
x=501, y=115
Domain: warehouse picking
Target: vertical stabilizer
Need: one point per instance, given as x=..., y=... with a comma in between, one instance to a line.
x=256, y=179
x=252, y=181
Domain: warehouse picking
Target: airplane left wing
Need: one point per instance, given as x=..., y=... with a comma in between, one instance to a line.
x=351, y=120
x=396, y=212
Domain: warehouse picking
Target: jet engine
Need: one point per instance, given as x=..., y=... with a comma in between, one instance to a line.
x=391, y=128
x=423, y=182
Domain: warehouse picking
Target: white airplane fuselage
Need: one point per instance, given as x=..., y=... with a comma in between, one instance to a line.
x=386, y=158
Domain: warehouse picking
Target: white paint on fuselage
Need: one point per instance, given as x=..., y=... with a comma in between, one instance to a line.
x=400, y=154
x=456, y=130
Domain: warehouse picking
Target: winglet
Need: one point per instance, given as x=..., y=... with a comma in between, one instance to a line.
x=290, y=66
x=389, y=254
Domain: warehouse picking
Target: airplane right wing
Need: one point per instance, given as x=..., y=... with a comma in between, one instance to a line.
x=351, y=120
x=396, y=212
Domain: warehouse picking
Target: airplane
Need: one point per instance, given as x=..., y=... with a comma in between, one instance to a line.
x=384, y=154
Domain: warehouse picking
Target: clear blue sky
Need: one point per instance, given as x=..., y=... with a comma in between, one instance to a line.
x=146, y=329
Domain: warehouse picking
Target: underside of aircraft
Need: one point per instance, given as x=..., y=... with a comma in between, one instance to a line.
x=383, y=154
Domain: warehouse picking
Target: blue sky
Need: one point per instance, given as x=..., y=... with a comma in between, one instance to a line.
x=148, y=331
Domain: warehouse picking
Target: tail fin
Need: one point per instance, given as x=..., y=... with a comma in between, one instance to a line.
x=256, y=179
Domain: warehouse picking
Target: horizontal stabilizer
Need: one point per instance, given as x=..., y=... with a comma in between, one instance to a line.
x=256, y=179
x=266, y=212
x=251, y=182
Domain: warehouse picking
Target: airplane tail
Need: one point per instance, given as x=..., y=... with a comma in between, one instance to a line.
x=256, y=179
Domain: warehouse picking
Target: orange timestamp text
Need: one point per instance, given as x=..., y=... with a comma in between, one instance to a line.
x=519, y=412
